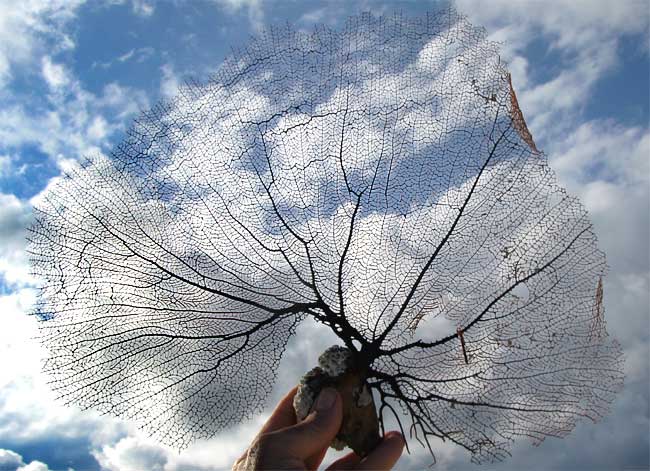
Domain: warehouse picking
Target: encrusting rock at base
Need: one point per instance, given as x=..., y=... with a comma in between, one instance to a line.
x=360, y=427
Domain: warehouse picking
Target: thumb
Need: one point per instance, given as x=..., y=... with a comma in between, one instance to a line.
x=318, y=429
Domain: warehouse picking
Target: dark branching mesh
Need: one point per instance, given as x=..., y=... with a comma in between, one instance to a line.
x=380, y=179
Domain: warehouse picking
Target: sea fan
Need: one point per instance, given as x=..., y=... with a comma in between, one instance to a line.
x=380, y=179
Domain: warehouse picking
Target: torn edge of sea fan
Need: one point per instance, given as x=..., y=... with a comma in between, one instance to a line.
x=518, y=119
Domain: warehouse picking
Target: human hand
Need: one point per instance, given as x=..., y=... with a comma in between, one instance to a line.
x=284, y=444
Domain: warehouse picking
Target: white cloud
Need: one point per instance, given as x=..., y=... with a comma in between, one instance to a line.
x=314, y=16
x=254, y=10
x=73, y=123
x=10, y=460
x=98, y=129
x=169, y=82
x=567, y=92
x=126, y=56
x=34, y=466
x=124, y=101
x=571, y=24
x=584, y=33
x=15, y=215
x=54, y=74
x=413, y=238
x=17, y=341
x=605, y=164
x=5, y=165
x=136, y=452
x=330, y=15
x=29, y=411
x=139, y=55
x=32, y=26
x=142, y=7
x=132, y=454
x=603, y=151
x=608, y=166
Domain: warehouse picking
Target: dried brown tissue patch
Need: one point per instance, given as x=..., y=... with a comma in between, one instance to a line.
x=518, y=119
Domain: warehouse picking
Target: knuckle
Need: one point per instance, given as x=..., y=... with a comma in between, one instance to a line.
x=266, y=444
x=318, y=426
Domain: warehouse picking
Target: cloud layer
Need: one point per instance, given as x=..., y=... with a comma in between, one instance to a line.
x=602, y=159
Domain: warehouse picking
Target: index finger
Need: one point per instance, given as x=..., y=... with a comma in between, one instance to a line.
x=283, y=415
x=382, y=458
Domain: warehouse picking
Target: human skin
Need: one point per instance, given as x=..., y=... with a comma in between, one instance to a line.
x=282, y=443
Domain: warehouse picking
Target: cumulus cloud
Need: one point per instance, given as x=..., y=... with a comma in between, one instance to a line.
x=169, y=82
x=414, y=250
x=132, y=454
x=607, y=165
x=603, y=162
x=66, y=123
x=29, y=412
x=603, y=150
x=54, y=74
x=12, y=461
x=568, y=25
x=584, y=34
x=73, y=122
x=15, y=215
x=69, y=121
x=136, y=452
x=30, y=27
x=253, y=8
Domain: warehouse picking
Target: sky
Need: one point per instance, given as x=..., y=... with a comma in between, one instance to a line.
x=74, y=75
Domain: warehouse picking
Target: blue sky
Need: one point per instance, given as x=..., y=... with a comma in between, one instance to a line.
x=74, y=74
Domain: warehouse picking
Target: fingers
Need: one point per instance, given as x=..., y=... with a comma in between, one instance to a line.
x=283, y=415
x=349, y=461
x=316, y=432
x=309, y=439
x=385, y=455
x=313, y=462
x=382, y=458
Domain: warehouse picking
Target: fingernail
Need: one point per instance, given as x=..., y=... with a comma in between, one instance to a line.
x=326, y=399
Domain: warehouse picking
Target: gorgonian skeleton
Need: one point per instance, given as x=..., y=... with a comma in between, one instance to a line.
x=380, y=179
